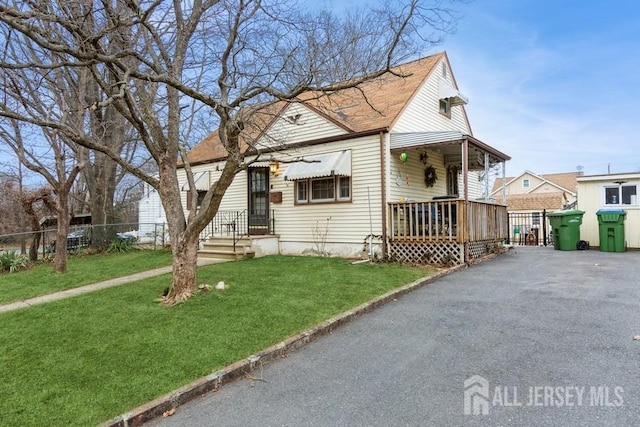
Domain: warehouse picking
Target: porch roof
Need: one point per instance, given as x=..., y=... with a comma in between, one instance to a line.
x=320, y=165
x=448, y=142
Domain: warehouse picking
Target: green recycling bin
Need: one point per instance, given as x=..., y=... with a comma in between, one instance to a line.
x=566, y=228
x=611, y=229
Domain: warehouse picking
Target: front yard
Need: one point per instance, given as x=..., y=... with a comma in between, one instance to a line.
x=81, y=270
x=87, y=359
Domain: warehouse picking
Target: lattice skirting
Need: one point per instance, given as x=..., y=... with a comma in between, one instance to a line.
x=445, y=253
x=484, y=247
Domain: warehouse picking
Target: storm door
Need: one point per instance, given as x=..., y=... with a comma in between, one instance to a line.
x=258, y=200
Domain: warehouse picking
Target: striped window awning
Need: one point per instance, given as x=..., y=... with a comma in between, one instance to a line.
x=320, y=166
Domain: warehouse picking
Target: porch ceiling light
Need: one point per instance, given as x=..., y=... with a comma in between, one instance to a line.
x=273, y=167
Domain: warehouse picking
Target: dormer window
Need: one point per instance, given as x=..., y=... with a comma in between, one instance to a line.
x=444, y=70
x=525, y=183
x=445, y=107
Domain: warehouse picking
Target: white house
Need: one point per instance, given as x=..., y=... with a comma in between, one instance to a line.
x=391, y=167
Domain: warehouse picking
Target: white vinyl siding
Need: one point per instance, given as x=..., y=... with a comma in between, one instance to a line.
x=299, y=124
x=347, y=223
x=591, y=198
x=406, y=180
x=423, y=111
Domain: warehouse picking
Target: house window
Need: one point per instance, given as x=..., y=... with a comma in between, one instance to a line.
x=452, y=181
x=302, y=192
x=621, y=195
x=201, y=195
x=323, y=190
x=445, y=107
x=525, y=183
x=344, y=188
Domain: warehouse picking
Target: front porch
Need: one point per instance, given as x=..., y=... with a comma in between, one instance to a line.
x=446, y=231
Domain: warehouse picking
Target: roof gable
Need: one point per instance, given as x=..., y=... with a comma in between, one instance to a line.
x=421, y=113
x=297, y=123
x=565, y=181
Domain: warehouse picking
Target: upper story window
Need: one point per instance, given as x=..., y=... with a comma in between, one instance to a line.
x=525, y=183
x=445, y=107
x=623, y=194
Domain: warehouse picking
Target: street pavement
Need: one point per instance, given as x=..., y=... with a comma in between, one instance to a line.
x=548, y=334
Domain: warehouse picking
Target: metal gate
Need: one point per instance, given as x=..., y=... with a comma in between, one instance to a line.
x=528, y=228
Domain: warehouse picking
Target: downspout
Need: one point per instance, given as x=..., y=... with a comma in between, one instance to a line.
x=465, y=169
x=383, y=193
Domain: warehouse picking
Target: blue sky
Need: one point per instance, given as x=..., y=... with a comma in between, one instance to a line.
x=554, y=84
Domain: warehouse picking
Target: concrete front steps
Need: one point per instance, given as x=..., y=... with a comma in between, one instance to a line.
x=222, y=248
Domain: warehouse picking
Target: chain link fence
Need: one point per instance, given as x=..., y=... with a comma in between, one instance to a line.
x=43, y=242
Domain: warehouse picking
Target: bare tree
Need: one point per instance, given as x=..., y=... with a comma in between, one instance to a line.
x=36, y=205
x=219, y=57
x=60, y=175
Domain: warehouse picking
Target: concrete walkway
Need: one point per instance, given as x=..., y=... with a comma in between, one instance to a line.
x=68, y=293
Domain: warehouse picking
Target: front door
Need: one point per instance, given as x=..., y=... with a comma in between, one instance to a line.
x=258, y=200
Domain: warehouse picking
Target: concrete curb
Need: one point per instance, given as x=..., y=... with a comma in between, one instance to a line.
x=214, y=381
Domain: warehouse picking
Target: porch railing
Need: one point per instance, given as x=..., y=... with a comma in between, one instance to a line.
x=487, y=221
x=425, y=221
x=226, y=224
x=237, y=224
x=446, y=220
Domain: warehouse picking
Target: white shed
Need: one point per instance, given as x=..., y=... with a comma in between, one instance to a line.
x=611, y=191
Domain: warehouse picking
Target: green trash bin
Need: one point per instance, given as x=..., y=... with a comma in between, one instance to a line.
x=565, y=226
x=611, y=229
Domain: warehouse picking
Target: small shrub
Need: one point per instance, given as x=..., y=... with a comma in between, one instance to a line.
x=120, y=245
x=12, y=261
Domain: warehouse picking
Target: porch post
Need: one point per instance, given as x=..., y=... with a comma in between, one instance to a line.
x=486, y=177
x=383, y=195
x=465, y=171
x=504, y=182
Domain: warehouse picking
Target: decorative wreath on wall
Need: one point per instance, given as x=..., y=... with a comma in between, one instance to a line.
x=430, y=176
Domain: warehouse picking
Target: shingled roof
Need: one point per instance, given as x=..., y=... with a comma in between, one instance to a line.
x=531, y=202
x=566, y=180
x=375, y=104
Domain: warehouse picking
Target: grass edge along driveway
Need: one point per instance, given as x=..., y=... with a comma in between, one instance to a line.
x=87, y=359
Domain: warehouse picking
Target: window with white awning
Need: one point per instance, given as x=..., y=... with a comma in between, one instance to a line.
x=320, y=166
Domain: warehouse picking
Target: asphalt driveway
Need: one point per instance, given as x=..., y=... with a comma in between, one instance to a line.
x=547, y=334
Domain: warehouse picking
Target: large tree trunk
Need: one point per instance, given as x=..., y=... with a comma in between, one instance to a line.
x=185, y=262
x=60, y=258
x=33, y=247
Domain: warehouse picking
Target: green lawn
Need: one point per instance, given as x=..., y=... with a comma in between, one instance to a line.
x=87, y=359
x=81, y=270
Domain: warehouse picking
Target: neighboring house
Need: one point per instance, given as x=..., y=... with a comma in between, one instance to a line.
x=151, y=217
x=528, y=196
x=390, y=168
x=611, y=191
x=525, y=189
